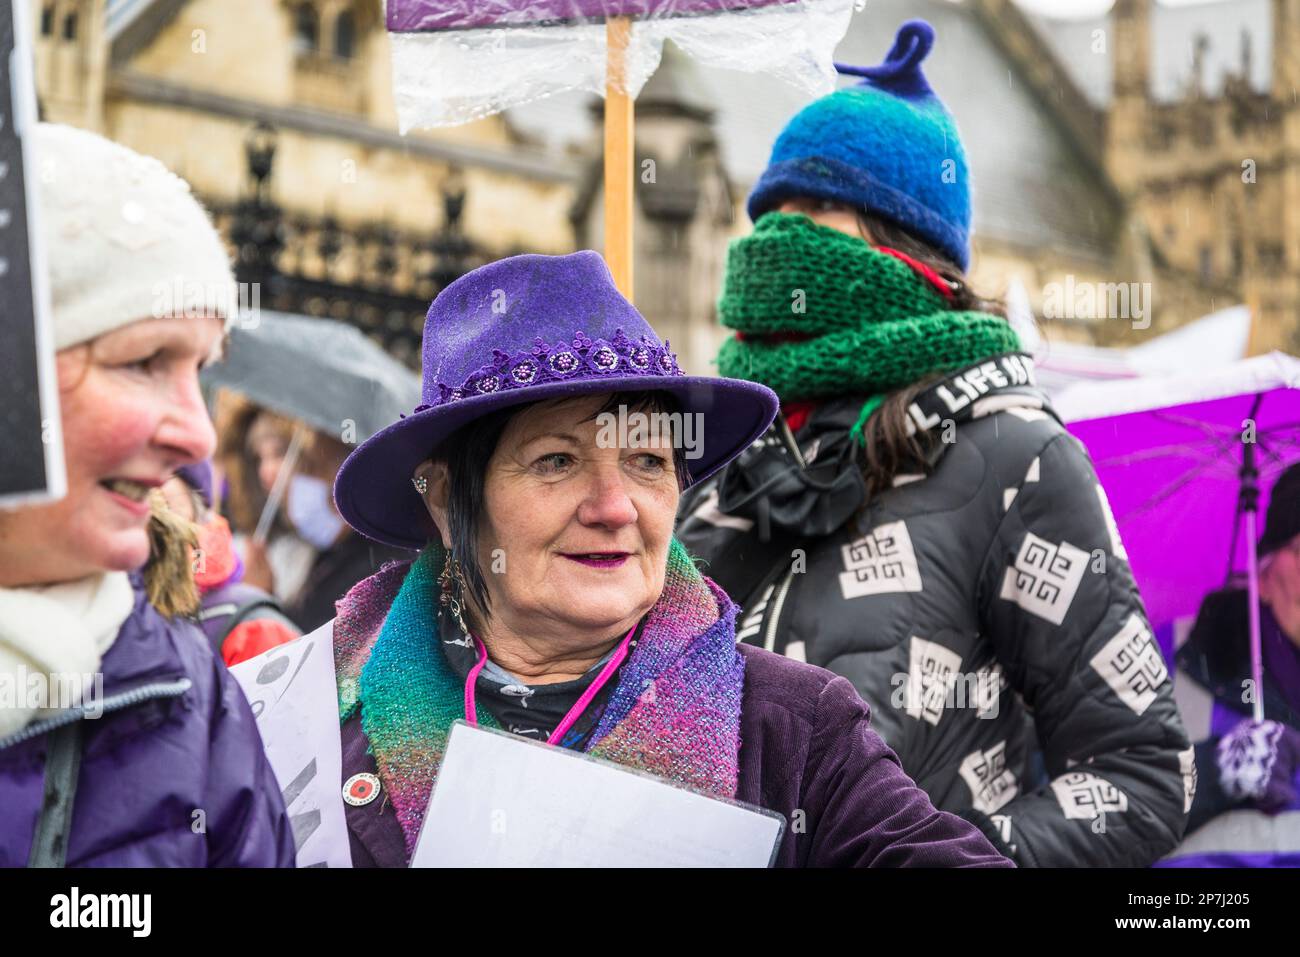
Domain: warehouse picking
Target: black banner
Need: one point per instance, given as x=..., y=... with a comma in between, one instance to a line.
x=31, y=463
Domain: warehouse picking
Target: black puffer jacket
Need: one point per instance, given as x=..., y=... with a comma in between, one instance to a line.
x=986, y=613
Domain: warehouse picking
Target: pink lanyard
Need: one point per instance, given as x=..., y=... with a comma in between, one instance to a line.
x=471, y=713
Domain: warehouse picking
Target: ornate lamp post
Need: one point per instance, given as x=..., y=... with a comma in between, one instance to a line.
x=258, y=230
x=449, y=246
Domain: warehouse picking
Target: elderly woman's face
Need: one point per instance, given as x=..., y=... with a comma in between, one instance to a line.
x=582, y=531
x=132, y=414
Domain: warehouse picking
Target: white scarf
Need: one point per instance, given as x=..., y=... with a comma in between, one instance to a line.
x=52, y=640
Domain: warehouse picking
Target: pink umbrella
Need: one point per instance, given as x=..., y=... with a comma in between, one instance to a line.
x=1183, y=460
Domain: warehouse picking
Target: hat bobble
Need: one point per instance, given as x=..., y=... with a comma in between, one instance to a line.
x=900, y=74
x=886, y=145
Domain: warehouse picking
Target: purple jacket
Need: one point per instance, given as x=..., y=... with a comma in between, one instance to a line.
x=172, y=773
x=806, y=745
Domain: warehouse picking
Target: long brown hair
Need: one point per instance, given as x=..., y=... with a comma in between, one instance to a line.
x=889, y=451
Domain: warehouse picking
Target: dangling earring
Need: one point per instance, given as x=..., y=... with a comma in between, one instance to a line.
x=452, y=582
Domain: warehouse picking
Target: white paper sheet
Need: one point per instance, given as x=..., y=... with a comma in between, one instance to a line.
x=504, y=801
x=294, y=698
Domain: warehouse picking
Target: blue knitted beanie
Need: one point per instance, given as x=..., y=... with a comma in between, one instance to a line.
x=886, y=145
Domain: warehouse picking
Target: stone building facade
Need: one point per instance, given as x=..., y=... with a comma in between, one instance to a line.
x=1083, y=177
x=1202, y=139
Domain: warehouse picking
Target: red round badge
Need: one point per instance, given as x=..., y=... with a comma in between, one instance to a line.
x=360, y=789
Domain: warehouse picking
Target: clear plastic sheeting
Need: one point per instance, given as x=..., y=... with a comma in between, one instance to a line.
x=460, y=60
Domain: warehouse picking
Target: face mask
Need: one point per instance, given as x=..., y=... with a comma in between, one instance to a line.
x=820, y=313
x=311, y=511
x=794, y=276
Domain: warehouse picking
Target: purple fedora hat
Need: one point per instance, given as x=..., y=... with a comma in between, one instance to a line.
x=523, y=330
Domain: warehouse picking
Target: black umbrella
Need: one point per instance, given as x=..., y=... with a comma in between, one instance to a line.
x=324, y=372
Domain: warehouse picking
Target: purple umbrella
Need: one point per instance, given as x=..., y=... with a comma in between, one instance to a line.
x=1183, y=460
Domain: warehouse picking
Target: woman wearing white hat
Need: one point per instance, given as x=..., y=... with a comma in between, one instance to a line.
x=172, y=772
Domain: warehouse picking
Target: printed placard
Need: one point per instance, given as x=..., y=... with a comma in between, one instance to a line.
x=294, y=698
x=504, y=801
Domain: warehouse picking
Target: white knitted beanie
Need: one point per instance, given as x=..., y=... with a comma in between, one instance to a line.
x=124, y=238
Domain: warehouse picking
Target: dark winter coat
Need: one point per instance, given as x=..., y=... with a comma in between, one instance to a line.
x=986, y=612
x=806, y=750
x=332, y=573
x=172, y=773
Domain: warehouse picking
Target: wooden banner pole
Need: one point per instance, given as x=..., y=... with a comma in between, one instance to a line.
x=619, y=139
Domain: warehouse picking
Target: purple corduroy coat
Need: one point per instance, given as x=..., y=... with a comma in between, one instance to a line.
x=172, y=774
x=805, y=745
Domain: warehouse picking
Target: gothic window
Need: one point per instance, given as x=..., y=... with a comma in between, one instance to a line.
x=345, y=36
x=70, y=27
x=328, y=44
x=47, y=20
x=306, y=28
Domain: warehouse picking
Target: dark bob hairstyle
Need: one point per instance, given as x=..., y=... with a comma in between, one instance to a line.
x=467, y=454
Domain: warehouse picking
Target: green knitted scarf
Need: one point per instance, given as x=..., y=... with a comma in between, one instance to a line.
x=872, y=323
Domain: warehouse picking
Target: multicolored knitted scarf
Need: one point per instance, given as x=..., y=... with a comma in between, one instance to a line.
x=821, y=313
x=675, y=711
